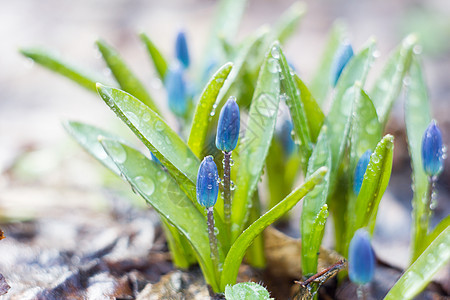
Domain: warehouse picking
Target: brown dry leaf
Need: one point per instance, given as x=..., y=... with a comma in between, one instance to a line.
x=2, y=235
x=4, y=286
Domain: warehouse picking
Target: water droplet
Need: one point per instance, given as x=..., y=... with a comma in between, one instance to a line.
x=216, y=231
x=273, y=65
x=407, y=81
x=232, y=185
x=417, y=49
x=159, y=125
x=275, y=52
x=118, y=153
x=145, y=184
x=132, y=117
x=146, y=117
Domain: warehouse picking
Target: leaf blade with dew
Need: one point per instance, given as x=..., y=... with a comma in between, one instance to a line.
x=255, y=145
x=312, y=109
x=320, y=87
x=164, y=195
x=389, y=84
x=313, y=207
x=237, y=251
x=376, y=179
x=124, y=76
x=417, y=118
x=62, y=67
x=421, y=272
x=156, y=135
x=158, y=59
x=288, y=23
x=246, y=290
x=88, y=138
x=202, y=116
x=295, y=105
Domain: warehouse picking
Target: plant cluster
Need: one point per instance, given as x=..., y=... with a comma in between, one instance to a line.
x=270, y=123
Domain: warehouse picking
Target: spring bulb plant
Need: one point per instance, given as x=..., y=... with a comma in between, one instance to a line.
x=337, y=162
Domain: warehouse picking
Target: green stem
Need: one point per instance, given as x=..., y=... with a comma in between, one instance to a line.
x=361, y=292
x=213, y=240
x=227, y=191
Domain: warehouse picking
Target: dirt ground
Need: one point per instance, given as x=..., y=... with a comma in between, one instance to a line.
x=43, y=173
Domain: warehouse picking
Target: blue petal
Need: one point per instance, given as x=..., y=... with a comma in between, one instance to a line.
x=228, y=126
x=207, y=182
x=181, y=49
x=361, y=259
x=341, y=58
x=285, y=136
x=432, y=150
x=176, y=90
x=360, y=170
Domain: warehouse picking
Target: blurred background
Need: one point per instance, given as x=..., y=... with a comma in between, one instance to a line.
x=41, y=168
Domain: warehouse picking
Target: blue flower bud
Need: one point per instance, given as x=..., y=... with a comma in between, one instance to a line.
x=154, y=158
x=432, y=150
x=176, y=90
x=361, y=260
x=340, y=60
x=360, y=170
x=181, y=49
x=285, y=137
x=228, y=126
x=207, y=182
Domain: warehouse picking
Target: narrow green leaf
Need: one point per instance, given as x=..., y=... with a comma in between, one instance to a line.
x=363, y=211
x=313, y=112
x=356, y=70
x=301, y=129
x=320, y=85
x=237, y=251
x=255, y=145
x=60, y=66
x=205, y=106
x=420, y=273
x=417, y=119
x=288, y=22
x=87, y=136
x=246, y=291
x=444, y=223
x=156, y=56
x=124, y=76
x=366, y=130
x=388, y=86
x=159, y=138
x=313, y=211
x=163, y=193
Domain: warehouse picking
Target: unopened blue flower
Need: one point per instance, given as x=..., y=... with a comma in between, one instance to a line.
x=285, y=136
x=207, y=182
x=432, y=150
x=361, y=259
x=154, y=158
x=360, y=170
x=340, y=60
x=181, y=49
x=176, y=90
x=228, y=126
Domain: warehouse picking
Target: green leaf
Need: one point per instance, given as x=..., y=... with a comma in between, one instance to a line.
x=159, y=138
x=87, y=136
x=363, y=211
x=444, y=223
x=287, y=24
x=246, y=291
x=58, y=65
x=237, y=250
x=388, y=86
x=417, y=119
x=366, y=130
x=205, y=106
x=313, y=112
x=255, y=145
x=163, y=193
x=156, y=56
x=420, y=273
x=320, y=85
x=125, y=77
x=301, y=129
x=314, y=210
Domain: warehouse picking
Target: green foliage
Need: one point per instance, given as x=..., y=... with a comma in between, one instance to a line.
x=329, y=143
x=420, y=273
